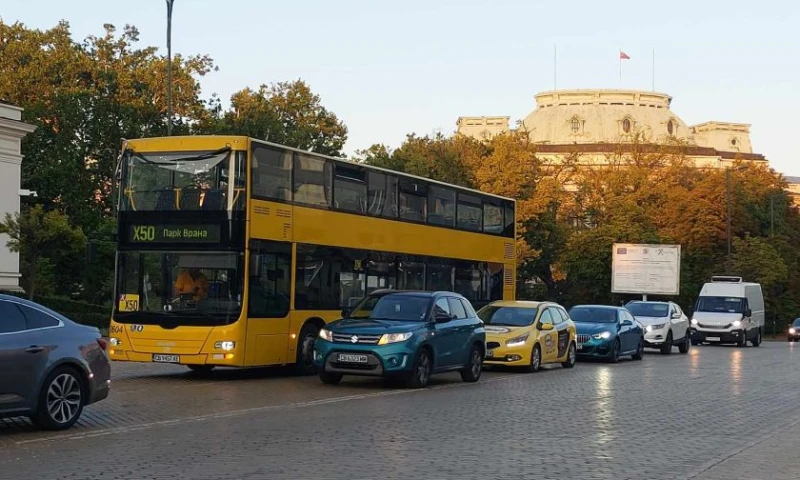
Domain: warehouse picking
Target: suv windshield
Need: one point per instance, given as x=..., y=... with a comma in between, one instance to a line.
x=641, y=309
x=179, y=287
x=720, y=304
x=796, y=323
x=183, y=181
x=508, y=316
x=593, y=315
x=409, y=308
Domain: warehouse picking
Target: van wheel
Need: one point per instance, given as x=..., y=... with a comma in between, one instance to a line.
x=743, y=340
x=61, y=400
x=757, y=341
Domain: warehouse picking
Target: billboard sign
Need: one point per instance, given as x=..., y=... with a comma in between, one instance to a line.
x=646, y=269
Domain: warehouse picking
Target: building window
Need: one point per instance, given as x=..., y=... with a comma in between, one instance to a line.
x=575, y=125
x=733, y=142
x=626, y=125
x=670, y=127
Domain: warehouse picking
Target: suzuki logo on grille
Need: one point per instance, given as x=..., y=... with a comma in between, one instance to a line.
x=354, y=339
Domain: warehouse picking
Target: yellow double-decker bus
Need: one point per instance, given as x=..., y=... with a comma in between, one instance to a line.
x=235, y=252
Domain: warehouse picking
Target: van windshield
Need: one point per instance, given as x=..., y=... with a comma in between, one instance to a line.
x=720, y=304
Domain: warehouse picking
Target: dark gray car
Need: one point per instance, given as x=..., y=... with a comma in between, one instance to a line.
x=50, y=366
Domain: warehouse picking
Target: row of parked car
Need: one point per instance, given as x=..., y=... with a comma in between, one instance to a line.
x=413, y=335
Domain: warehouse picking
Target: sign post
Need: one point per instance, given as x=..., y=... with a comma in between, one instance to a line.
x=646, y=269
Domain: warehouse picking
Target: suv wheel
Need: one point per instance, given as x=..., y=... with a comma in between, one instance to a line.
x=684, y=347
x=472, y=372
x=330, y=378
x=61, y=400
x=666, y=348
x=423, y=367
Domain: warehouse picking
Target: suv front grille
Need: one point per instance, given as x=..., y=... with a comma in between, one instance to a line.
x=356, y=339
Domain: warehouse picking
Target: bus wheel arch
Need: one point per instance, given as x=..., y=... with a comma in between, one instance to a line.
x=304, y=364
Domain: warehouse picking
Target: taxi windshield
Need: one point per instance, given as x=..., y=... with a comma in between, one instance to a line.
x=508, y=316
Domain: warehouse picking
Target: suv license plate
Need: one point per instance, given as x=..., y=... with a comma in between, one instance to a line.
x=713, y=339
x=349, y=358
x=166, y=358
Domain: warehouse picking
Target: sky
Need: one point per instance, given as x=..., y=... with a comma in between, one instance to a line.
x=392, y=68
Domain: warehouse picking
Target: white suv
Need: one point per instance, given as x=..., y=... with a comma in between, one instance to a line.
x=665, y=325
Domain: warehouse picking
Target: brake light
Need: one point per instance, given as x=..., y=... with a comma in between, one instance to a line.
x=103, y=344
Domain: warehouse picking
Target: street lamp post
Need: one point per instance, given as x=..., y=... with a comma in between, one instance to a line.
x=169, y=66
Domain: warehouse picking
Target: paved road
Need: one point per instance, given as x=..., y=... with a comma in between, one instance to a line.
x=716, y=413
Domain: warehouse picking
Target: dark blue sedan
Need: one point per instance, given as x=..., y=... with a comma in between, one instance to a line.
x=607, y=332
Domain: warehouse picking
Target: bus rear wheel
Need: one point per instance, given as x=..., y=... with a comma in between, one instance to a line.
x=304, y=363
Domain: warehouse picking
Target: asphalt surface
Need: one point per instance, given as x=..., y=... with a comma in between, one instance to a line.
x=715, y=413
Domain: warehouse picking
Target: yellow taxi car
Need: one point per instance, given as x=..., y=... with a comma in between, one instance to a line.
x=528, y=334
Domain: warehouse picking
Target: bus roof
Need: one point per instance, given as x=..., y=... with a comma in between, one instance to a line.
x=329, y=157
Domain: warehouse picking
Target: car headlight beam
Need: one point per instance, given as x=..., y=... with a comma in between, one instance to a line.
x=737, y=323
x=602, y=335
x=326, y=335
x=388, y=338
x=517, y=341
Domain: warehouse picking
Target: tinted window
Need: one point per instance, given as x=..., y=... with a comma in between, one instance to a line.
x=492, y=219
x=272, y=170
x=441, y=307
x=441, y=206
x=37, y=318
x=413, y=200
x=593, y=314
x=270, y=279
x=457, y=308
x=507, y=316
x=641, y=309
x=382, y=195
x=470, y=213
x=312, y=181
x=350, y=189
x=508, y=229
x=393, y=307
x=11, y=319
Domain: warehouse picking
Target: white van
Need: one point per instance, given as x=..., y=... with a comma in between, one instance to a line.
x=728, y=310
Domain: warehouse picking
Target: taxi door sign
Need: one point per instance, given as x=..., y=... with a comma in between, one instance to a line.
x=129, y=302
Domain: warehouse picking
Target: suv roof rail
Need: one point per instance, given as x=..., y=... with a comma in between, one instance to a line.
x=726, y=279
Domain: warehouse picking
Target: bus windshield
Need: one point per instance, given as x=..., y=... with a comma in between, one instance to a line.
x=183, y=181
x=179, y=287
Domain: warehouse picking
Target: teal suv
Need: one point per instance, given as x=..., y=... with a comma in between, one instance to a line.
x=407, y=335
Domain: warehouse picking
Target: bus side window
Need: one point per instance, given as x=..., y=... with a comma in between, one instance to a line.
x=269, y=279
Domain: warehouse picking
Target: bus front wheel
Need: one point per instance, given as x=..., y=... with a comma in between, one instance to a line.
x=304, y=363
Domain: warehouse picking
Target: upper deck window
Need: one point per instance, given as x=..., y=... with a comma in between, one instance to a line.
x=183, y=181
x=312, y=180
x=272, y=173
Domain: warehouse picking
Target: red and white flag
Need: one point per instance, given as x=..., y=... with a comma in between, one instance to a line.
x=623, y=55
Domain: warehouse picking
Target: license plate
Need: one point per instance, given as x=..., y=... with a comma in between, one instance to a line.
x=580, y=346
x=349, y=358
x=713, y=339
x=489, y=353
x=166, y=358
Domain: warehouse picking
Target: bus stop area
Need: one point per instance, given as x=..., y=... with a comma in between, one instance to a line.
x=718, y=412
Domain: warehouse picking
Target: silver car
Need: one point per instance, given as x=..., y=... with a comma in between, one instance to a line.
x=50, y=366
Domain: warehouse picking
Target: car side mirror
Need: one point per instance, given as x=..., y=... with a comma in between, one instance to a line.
x=748, y=312
x=442, y=317
x=345, y=312
x=626, y=323
x=676, y=315
x=545, y=327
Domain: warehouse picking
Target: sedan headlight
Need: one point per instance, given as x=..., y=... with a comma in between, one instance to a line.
x=603, y=335
x=326, y=334
x=736, y=323
x=792, y=331
x=388, y=338
x=517, y=341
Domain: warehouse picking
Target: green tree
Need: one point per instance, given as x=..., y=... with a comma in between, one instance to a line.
x=45, y=241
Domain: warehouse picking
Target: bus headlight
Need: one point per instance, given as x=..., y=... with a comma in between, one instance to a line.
x=226, y=345
x=388, y=338
x=326, y=335
x=116, y=342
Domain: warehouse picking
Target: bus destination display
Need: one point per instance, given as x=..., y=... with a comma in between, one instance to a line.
x=174, y=234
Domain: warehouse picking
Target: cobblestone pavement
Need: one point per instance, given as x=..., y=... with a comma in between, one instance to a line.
x=716, y=413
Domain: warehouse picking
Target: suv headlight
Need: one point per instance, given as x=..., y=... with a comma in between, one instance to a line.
x=602, y=335
x=326, y=334
x=650, y=328
x=736, y=323
x=792, y=330
x=517, y=341
x=388, y=338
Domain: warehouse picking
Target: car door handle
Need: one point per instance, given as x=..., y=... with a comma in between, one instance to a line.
x=34, y=349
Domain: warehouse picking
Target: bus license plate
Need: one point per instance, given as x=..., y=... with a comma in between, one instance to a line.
x=349, y=358
x=166, y=358
x=713, y=339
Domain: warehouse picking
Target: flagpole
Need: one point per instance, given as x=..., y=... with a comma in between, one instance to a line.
x=554, y=67
x=654, y=69
x=619, y=54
